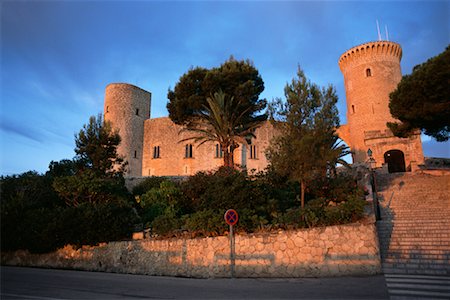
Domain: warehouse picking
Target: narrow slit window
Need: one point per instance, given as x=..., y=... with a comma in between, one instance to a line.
x=188, y=151
x=135, y=154
x=368, y=72
x=353, y=109
x=137, y=111
x=156, y=153
x=253, y=152
x=219, y=151
x=107, y=108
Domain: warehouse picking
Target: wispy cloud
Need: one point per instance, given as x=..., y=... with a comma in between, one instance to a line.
x=21, y=130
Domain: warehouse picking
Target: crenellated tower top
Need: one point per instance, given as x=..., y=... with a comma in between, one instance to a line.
x=371, y=52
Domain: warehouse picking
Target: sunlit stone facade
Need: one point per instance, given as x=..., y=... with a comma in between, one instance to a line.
x=155, y=147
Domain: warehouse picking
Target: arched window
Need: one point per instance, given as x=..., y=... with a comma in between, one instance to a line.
x=368, y=72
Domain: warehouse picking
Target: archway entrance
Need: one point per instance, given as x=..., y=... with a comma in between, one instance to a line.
x=395, y=160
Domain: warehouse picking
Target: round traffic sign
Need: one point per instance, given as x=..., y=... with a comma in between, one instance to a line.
x=231, y=217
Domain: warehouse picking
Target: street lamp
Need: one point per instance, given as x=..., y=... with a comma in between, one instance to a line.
x=371, y=161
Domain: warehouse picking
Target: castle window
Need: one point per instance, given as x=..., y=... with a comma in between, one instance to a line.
x=188, y=151
x=368, y=72
x=353, y=109
x=135, y=154
x=253, y=152
x=107, y=108
x=156, y=152
x=137, y=111
x=219, y=151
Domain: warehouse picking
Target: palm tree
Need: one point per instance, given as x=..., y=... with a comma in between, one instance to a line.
x=226, y=121
x=338, y=151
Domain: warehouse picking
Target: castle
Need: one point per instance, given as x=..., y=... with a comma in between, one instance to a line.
x=371, y=71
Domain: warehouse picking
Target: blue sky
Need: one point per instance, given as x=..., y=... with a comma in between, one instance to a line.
x=58, y=56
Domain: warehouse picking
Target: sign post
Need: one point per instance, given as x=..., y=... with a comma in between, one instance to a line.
x=231, y=217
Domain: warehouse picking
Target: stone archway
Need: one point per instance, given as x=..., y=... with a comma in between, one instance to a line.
x=395, y=160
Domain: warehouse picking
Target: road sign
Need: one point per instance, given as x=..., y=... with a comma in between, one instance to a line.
x=231, y=217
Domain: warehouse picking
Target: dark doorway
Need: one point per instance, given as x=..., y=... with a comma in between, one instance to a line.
x=395, y=160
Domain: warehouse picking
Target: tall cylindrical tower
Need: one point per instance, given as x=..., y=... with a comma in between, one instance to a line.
x=371, y=72
x=127, y=107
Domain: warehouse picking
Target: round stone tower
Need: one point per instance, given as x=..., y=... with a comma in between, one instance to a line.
x=371, y=72
x=127, y=107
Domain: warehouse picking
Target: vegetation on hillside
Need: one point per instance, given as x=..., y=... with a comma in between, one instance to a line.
x=84, y=201
x=80, y=201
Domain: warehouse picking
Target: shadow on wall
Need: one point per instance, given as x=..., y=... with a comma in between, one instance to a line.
x=328, y=251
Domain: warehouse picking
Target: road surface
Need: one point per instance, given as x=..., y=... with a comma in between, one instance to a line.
x=46, y=284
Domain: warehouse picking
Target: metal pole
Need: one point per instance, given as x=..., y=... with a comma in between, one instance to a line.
x=232, y=251
x=375, y=196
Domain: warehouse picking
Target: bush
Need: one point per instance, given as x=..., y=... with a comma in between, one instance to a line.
x=165, y=225
x=146, y=185
x=90, y=223
x=207, y=222
x=333, y=189
x=166, y=199
x=318, y=212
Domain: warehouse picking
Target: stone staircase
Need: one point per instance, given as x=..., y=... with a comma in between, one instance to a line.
x=414, y=232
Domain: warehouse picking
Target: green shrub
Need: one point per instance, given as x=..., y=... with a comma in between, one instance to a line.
x=207, y=222
x=250, y=220
x=90, y=223
x=318, y=212
x=333, y=189
x=146, y=185
x=166, y=199
x=166, y=225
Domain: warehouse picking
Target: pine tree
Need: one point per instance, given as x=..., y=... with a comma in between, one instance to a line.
x=306, y=146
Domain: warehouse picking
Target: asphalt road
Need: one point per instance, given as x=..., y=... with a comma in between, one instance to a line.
x=46, y=284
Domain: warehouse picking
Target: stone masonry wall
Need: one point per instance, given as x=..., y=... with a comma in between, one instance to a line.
x=163, y=133
x=327, y=251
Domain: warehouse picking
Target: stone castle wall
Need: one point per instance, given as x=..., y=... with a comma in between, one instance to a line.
x=327, y=251
x=371, y=72
x=127, y=107
x=163, y=133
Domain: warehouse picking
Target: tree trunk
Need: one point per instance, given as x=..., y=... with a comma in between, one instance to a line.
x=302, y=193
x=228, y=157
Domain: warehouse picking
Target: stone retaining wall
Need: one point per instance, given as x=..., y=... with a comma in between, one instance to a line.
x=327, y=251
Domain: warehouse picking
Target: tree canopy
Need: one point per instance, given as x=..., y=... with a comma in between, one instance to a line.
x=307, y=120
x=96, y=148
x=96, y=173
x=422, y=99
x=238, y=79
x=224, y=120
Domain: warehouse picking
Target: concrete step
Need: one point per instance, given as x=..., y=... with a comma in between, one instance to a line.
x=415, y=234
x=438, y=257
x=410, y=286
x=403, y=250
x=387, y=269
x=406, y=260
x=396, y=238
